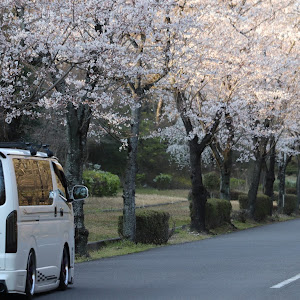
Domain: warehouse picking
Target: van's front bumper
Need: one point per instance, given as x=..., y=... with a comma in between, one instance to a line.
x=12, y=281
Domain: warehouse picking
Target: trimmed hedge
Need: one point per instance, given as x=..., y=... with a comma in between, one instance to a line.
x=101, y=183
x=237, y=184
x=217, y=212
x=290, y=204
x=263, y=206
x=211, y=181
x=163, y=181
x=243, y=201
x=234, y=195
x=291, y=190
x=152, y=227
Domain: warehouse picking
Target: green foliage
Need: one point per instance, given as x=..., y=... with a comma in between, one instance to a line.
x=101, y=183
x=140, y=179
x=108, y=155
x=288, y=184
x=152, y=227
x=290, y=204
x=237, y=184
x=163, y=181
x=152, y=157
x=263, y=207
x=292, y=167
x=217, y=212
x=181, y=182
x=211, y=181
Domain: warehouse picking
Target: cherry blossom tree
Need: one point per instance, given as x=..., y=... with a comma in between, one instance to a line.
x=228, y=77
x=230, y=68
x=81, y=56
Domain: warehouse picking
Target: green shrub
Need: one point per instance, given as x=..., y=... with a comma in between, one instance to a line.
x=140, y=179
x=290, y=204
x=237, y=184
x=263, y=207
x=276, y=186
x=217, y=212
x=101, y=183
x=163, y=181
x=179, y=182
x=288, y=184
x=211, y=181
x=292, y=168
x=234, y=195
x=152, y=227
x=291, y=190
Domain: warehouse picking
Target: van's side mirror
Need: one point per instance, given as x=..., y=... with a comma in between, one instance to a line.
x=80, y=192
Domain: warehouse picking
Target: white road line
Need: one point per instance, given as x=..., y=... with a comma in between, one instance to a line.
x=286, y=282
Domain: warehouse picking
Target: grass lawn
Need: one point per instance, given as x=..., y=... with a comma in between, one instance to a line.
x=101, y=214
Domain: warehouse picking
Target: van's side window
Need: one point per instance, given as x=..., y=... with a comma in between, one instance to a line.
x=2, y=185
x=34, y=181
x=61, y=180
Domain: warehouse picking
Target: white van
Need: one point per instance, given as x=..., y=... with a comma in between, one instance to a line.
x=36, y=223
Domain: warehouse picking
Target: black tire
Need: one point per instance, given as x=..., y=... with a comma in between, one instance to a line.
x=64, y=271
x=30, y=276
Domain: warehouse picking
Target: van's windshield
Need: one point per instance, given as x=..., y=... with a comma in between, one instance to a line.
x=2, y=185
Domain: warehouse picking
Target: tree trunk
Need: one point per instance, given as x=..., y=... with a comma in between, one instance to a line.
x=225, y=184
x=270, y=171
x=129, y=219
x=281, y=176
x=260, y=155
x=253, y=189
x=78, y=121
x=224, y=158
x=224, y=161
x=199, y=192
x=268, y=186
x=13, y=132
x=196, y=146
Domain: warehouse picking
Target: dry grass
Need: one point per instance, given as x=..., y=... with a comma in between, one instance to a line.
x=102, y=224
x=235, y=205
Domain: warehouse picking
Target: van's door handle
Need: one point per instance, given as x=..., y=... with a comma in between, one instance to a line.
x=61, y=212
x=55, y=211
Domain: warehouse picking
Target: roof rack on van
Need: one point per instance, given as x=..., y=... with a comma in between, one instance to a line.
x=27, y=146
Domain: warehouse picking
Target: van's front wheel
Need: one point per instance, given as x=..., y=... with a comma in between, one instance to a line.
x=64, y=271
x=31, y=275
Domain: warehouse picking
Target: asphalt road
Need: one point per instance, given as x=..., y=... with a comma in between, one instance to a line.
x=250, y=264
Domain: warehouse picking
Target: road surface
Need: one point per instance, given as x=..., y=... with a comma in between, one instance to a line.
x=259, y=263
